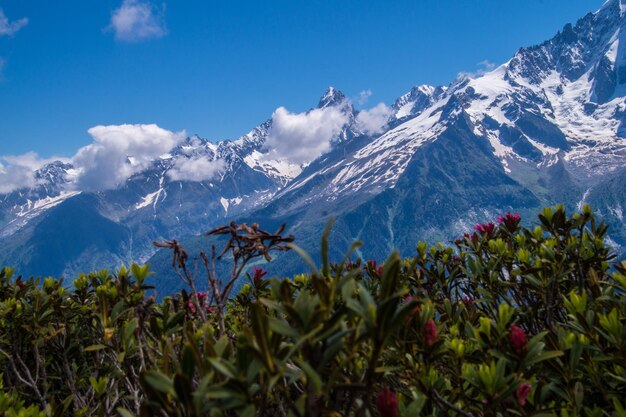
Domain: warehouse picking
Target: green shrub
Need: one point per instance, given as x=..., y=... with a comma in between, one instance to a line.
x=507, y=321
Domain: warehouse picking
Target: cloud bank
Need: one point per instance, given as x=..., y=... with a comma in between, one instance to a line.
x=374, y=120
x=301, y=137
x=8, y=28
x=119, y=151
x=137, y=20
x=195, y=168
x=19, y=171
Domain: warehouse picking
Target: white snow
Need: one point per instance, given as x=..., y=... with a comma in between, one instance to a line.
x=45, y=203
x=153, y=198
x=280, y=169
x=617, y=212
x=148, y=199
x=581, y=203
x=404, y=110
x=224, y=203
x=228, y=202
x=545, y=149
x=32, y=209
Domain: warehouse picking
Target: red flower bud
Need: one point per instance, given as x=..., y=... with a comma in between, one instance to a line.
x=259, y=273
x=518, y=339
x=19, y=283
x=387, y=403
x=431, y=335
x=485, y=229
x=522, y=393
x=510, y=221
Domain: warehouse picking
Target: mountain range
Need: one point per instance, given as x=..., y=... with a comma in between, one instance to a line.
x=546, y=127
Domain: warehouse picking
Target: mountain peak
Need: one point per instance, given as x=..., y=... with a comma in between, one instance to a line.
x=613, y=5
x=331, y=97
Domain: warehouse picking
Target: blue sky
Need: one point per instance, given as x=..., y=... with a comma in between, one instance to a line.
x=217, y=69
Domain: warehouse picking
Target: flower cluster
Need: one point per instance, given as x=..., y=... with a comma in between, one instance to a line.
x=387, y=403
x=202, y=300
x=485, y=229
x=510, y=221
x=258, y=275
x=522, y=393
x=518, y=339
x=431, y=335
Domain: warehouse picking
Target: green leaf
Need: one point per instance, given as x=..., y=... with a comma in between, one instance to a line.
x=94, y=348
x=124, y=412
x=157, y=381
x=282, y=327
x=223, y=368
x=324, y=251
x=543, y=357
x=313, y=377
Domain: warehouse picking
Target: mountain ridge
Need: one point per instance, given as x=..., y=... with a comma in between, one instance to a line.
x=545, y=127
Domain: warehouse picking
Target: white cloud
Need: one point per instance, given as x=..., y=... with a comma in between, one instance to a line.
x=18, y=171
x=119, y=151
x=8, y=28
x=301, y=137
x=195, y=168
x=364, y=96
x=137, y=20
x=484, y=67
x=14, y=177
x=374, y=120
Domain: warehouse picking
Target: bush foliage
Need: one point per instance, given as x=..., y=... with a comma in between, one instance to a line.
x=505, y=321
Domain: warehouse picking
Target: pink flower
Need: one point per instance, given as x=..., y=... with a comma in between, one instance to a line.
x=485, y=229
x=191, y=306
x=510, y=221
x=387, y=403
x=431, y=335
x=201, y=297
x=210, y=310
x=518, y=339
x=259, y=273
x=522, y=393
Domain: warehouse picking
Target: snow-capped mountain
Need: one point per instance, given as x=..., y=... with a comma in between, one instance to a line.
x=547, y=126
x=167, y=199
x=558, y=103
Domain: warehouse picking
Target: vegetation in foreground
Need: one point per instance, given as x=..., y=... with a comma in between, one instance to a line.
x=507, y=321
